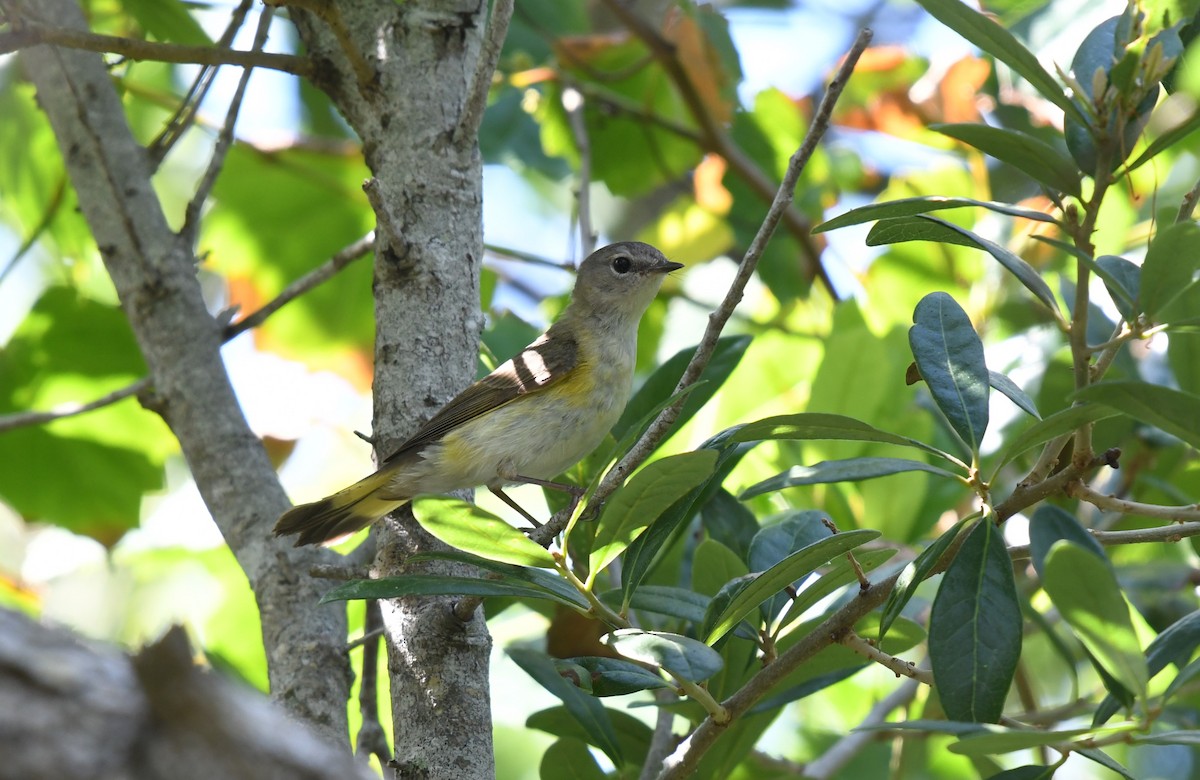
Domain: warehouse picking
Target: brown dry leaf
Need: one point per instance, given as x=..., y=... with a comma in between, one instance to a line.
x=701, y=63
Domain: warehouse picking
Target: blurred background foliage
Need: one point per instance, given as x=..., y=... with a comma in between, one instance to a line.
x=101, y=529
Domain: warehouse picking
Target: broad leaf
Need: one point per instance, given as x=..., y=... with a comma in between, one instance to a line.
x=1123, y=281
x=1174, y=411
x=587, y=711
x=1175, y=645
x=1050, y=524
x=764, y=585
x=913, y=575
x=950, y=357
x=639, y=503
x=467, y=527
x=975, y=629
x=1171, y=265
x=1033, y=156
x=617, y=677
x=684, y=658
x=907, y=207
x=1086, y=593
x=849, y=470
x=818, y=425
x=1013, y=392
x=569, y=759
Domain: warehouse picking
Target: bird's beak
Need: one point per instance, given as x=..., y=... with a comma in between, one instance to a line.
x=666, y=267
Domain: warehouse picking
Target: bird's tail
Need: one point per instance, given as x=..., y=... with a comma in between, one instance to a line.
x=345, y=512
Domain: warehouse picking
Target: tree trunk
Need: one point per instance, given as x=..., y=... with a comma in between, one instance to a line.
x=402, y=83
x=155, y=276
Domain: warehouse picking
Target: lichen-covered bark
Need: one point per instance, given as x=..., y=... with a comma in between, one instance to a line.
x=400, y=73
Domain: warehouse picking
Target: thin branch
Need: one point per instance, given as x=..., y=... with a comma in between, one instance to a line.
x=1188, y=206
x=716, y=321
x=830, y=763
x=371, y=738
x=320, y=274
x=33, y=34
x=23, y=419
x=717, y=138
x=572, y=101
x=902, y=668
x=485, y=69
x=191, y=219
x=1124, y=506
x=328, y=12
x=189, y=109
x=663, y=740
x=294, y=290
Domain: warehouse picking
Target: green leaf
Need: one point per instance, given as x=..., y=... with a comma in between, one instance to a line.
x=849, y=470
x=1183, y=353
x=1051, y=427
x=640, y=502
x=768, y=583
x=797, y=529
x=1050, y=524
x=1033, y=156
x=168, y=21
x=616, y=677
x=1024, y=272
x=569, y=759
x=1105, y=760
x=839, y=574
x=1167, y=140
x=1012, y=391
x=816, y=425
x=587, y=711
x=1174, y=411
x=975, y=629
x=434, y=585
x=1087, y=595
x=1001, y=44
x=1027, y=772
x=1171, y=265
x=467, y=527
x=1122, y=279
x=1188, y=737
x=907, y=207
x=538, y=578
x=727, y=353
x=1185, y=676
x=897, y=230
x=685, y=658
x=1175, y=645
x=998, y=741
x=633, y=736
x=912, y=575
x=950, y=357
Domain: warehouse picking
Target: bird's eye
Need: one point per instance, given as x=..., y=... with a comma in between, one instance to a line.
x=621, y=264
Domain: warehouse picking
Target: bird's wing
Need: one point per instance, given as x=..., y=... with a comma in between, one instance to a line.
x=544, y=362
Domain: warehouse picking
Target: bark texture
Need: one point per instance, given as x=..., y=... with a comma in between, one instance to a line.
x=401, y=74
x=74, y=709
x=155, y=276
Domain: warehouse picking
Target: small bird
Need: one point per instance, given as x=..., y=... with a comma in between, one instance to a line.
x=526, y=422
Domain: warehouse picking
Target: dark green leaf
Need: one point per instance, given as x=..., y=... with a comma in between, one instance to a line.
x=616, y=677
x=913, y=575
x=587, y=711
x=849, y=470
x=168, y=21
x=1053, y=426
x=768, y=583
x=685, y=658
x=1027, y=772
x=838, y=575
x=998, y=741
x=1033, y=156
x=538, y=578
x=1122, y=279
x=1013, y=392
x=1175, y=645
x=797, y=529
x=975, y=628
x=907, y=207
x=467, y=527
x=569, y=759
x=1175, y=412
x=1000, y=43
x=633, y=736
x=1024, y=272
x=897, y=230
x=1048, y=525
x=1085, y=591
x=1185, y=676
x=950, y=357
x=728, y=521
x=817, y=425
x=661, y=384
x=1171, y=265
x=1105, y=760
x=643, y=499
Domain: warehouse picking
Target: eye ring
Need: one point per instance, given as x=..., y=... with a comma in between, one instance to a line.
x=621, y=264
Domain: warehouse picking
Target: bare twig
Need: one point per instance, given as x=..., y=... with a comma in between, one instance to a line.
x=294, y=290
x=830, y=763
x=32, y=34
x=716, y=321
x=189, y=108
x=663, y=740
x=485, y=69
x=191, y=219
x=1124, y=506
x=371, y=738
x=902, y=668
x=328, y=12
x=572, y=100
x=1188, y=205
x=718, y=140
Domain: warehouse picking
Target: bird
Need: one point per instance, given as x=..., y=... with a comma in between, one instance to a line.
x=532, y=418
